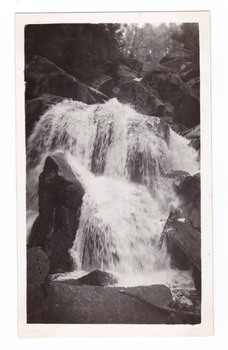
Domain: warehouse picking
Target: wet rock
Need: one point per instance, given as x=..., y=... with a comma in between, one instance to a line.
x=189, y=194
x=133, y=64
x=194, y=84
x=141, y=98
x=172, y=90
x=183, y=242
x=37, y=265
x=94, y=278
x=60, y=199
x=124, y=74
x=193, y=135
x=183, y=62
x=195, y=143
x=67, y=304
x=104, y=84
x=43, y=76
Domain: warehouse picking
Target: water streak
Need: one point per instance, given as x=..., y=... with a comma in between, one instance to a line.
x=123, y=159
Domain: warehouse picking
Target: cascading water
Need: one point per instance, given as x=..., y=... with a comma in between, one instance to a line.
x=123, y=159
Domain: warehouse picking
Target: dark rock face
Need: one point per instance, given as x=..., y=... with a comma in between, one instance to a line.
x=182, y=61
x=94, y=278
x=37, y=265
x=172, y=90
x=60, y=200
x=66, y=304
x=43, y=76
x=47, y=84
x=182, y=228
x=183, y=244
x=190, y=199
x=141, y=98
x=104, y=84
x=98, y=278
x=133, y=64
x=124, y=74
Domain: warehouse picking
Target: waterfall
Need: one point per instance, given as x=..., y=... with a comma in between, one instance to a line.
x=123, y=159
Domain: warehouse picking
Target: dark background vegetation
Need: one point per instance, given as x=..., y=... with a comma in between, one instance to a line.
x=87, y=50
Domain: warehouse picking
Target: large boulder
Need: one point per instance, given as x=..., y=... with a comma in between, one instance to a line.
x=60, y=199
x=125, y=74
x=133, y=64
x=141, y=98
x=47, y=84
x=94, y=278
x=38, y=265
x=189, y=194
x=104, y=84
x=172, y=90
x=62, y=303
x=183, y=62
x=194, y=85
x=43, y=76
x=183, y=244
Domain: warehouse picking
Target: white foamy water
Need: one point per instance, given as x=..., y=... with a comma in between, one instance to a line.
x=122, y=158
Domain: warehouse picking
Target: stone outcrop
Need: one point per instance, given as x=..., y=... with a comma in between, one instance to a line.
x=183, y=245
x=43, y=76
x=38, y=265
x=171, y=89
x=141, y=98
x=94, y=278
x=47, y=84
x=68, y=304
x=133, y=64
x=182, y=229
x=188, y=192
x=104, y=84
x=60, y=199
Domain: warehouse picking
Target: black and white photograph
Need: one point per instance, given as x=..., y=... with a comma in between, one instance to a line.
x=116, y=208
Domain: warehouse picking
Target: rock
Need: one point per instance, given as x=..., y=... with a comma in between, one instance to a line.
x=195, y=143
x=194, y=85
x=187, y=110
x=192, y=133
x=124, y=74
x=133, y=64
x=189, y=194
x=182, y=228
x=156, y=294
x=37, y=265
x=143, y=100
x=166, y=82
x=43, y=76
x=183, y=243
x=178, y=176
x=35, y=107
x=94, y=278
x=172, y=90
x=184, y=63
x=179, y=60
x=66, y=304
x=60, y=200
x=104, y=84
